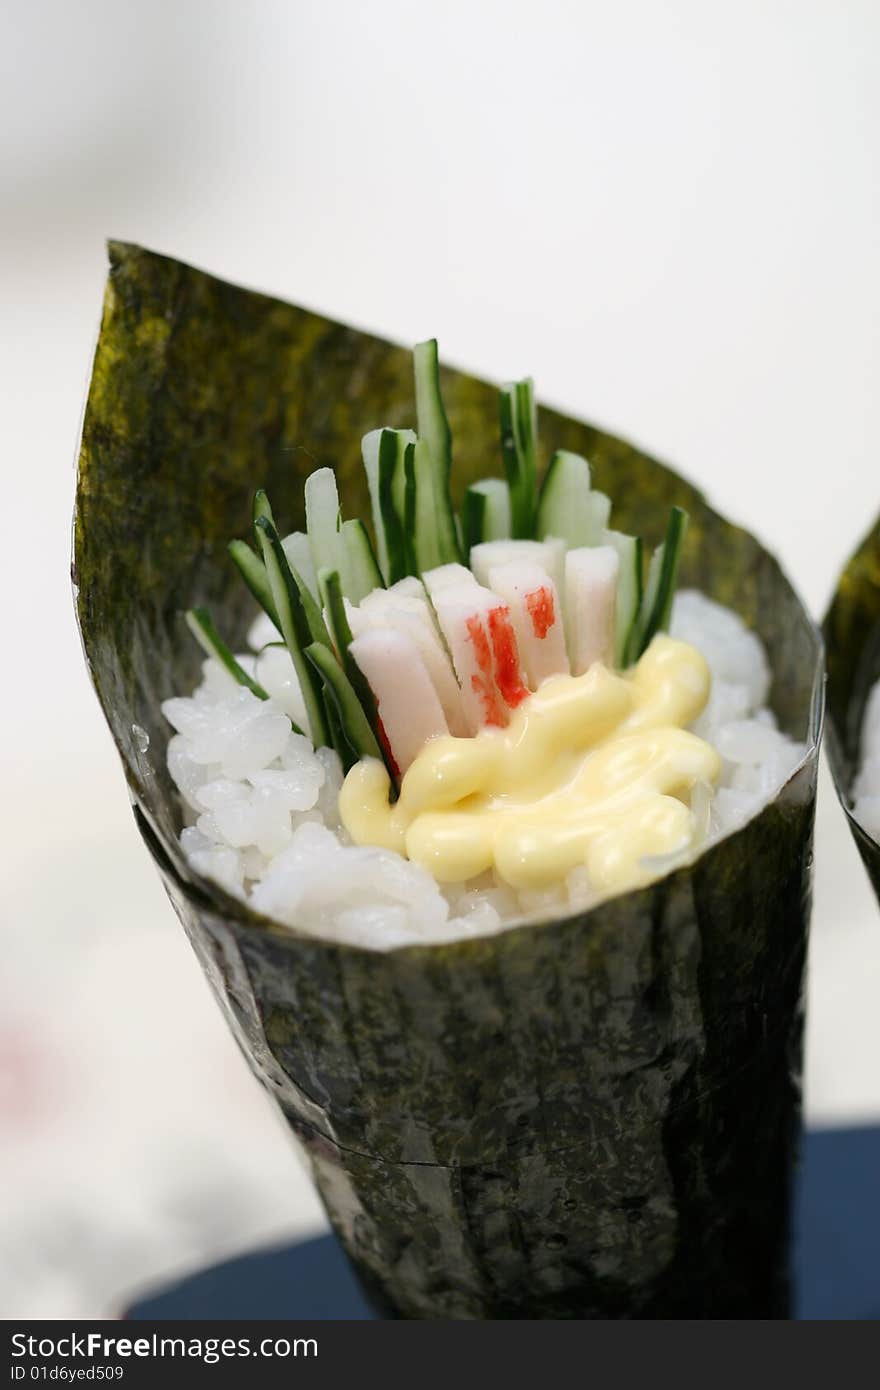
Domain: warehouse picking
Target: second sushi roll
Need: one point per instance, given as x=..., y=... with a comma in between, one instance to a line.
x=852, y=637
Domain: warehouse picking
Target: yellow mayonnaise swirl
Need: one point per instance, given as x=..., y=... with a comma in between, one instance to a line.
x=592, y=770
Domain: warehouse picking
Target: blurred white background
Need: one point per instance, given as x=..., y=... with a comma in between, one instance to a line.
x=667, y=212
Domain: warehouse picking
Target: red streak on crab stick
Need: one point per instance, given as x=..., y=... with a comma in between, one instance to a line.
x=532, y=603
x=483, y=682
x=508, y=676
x=488, y=695
x=463, y=612
x=542, y=611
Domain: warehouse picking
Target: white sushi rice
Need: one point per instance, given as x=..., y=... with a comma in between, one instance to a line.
x=264, y=809
x=866, y=788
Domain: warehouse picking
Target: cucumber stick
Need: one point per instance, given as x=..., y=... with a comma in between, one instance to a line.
x=338, y=545
x=598, y=516
x=334, y=604
x=297, y=631
x=656, y=605
x=384, y=454
x=519, y=441
x=353, y=721
x=202, y=627
x=334, y=608
x=437, y=534
x=568, y=507
x=485, y=514
x=261, y=507
x=361, y=568
x=405, y=501
x=311, y=610
x=299, y=557
x=338, y=742
x=629, y=593
x=253, y=572
x=429, y=549
x=322, y=518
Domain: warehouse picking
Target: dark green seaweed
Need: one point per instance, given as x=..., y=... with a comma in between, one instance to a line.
x=852, y=641
x=590, y=1117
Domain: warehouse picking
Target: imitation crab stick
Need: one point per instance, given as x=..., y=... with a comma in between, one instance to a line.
x=444, y=577
x=590, y=593
x=536, y=615
x=409, y=611
x=549, y=554
x=408, y=706
x=484, y=650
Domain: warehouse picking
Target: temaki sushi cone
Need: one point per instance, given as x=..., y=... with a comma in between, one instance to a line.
x=852, y=640
x=589, y=1117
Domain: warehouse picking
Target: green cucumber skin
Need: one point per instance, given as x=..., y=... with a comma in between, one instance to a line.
x=205, y=633
x=261, y=507
x=590, y=1061
x=656, y=605
x=473, y=519
x=336, y=734
x=331, y=593
x=518, y=426
x=300, y=630
x=395, y=446
x=338, y=688
x=435, y=538
x=253, y=572
x=480, y=520
x=434, y=431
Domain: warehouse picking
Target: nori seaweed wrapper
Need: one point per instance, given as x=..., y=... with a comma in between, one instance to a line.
x=589, y=1117
x=852, y=641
